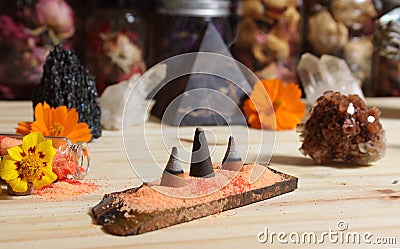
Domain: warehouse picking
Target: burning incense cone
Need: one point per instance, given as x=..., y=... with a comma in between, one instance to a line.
x=201, y=165
x=173, y=172
x=232, y=160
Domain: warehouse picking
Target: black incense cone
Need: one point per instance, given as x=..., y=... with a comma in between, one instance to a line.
x=200, y=165
x=173, y=172
x=232, y=159
x=174, y=165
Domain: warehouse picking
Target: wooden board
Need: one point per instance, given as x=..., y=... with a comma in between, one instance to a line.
x=367, y=198
x=108, y=212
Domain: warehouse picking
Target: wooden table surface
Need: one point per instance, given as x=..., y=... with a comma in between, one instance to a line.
x=367, y=198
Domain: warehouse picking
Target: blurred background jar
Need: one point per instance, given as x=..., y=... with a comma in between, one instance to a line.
x=268, y=37
x=28, y=30
x=116, y=39
x=343, y=28
x=179, y=24
x=386, y=60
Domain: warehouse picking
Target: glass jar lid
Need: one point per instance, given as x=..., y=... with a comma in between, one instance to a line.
x=212, y=8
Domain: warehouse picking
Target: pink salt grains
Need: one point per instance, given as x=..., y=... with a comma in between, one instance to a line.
x=6, y=143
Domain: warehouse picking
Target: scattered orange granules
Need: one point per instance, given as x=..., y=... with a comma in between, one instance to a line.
x=66, y=190
x=225, y=183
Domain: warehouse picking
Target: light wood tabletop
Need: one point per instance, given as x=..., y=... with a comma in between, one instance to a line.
x=359, y=199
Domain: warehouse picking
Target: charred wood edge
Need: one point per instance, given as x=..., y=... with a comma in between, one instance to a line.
x=108, y=212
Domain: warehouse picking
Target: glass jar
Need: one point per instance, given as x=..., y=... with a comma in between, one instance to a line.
x=386, y=63
x=180, y=23
x=28, y=30
x=116, y=40
x=343, y=28
x=71, y=160
x=268, y=38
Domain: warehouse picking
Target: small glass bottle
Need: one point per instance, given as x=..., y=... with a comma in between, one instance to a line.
x=71, y=160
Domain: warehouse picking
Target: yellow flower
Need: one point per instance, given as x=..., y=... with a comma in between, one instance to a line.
x=30, y=162
x=270, y=97
x=58, y=121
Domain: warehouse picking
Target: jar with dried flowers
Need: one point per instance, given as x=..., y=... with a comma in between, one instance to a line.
x=180, y=23
x=117, y=34
x=268, y=37
x=28, y=30
x=343, y=28
x=386, y=59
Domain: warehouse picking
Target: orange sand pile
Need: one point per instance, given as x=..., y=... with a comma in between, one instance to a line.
x=66, y=190
x=225, y=183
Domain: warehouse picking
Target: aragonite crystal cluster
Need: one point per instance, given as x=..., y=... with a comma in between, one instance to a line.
x=342, y=128
x=66, y=82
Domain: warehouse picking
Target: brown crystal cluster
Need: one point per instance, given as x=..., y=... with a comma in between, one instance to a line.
x=342, y=128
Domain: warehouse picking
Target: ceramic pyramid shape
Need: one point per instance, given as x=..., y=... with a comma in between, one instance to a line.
x=204, y=99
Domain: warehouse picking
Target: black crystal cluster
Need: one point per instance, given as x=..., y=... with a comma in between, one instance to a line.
x=66, y=82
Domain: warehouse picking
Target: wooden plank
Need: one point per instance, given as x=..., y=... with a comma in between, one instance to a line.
x=366, y=197
x=108, y=212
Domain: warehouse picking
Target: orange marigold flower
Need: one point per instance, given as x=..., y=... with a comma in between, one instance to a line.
x=274, y=96
x=58, y=121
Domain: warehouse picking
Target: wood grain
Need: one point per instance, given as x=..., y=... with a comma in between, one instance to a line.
x=367, y=197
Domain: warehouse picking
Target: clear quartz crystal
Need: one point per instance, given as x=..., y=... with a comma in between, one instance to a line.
x=324, y=74
x=78, y=153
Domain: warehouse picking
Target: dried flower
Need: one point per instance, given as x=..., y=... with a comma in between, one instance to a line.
x=57, y=15
x=29, y=163
x=57, y=121
x=285, y=103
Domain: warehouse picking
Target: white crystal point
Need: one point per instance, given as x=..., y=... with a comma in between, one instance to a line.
x=337, y=74
x=173, y=173
x=328, y=73
x=232, y=160
x=131, y=95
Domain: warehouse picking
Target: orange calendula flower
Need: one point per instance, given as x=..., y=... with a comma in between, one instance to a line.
x=57, y=121
x=30, y=162
x=271, y=97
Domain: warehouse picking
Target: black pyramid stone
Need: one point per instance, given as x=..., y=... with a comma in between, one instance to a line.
x=66, y=82
x=179, y=103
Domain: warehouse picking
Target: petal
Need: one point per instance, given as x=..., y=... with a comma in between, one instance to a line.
x=23, y=128
x=48, y=151
x=15, y=153
x=47, y=178
x=254, y=121
x=58, y=115
x=8, y=170
x=287, y=121
x=71, y=119
x=40, y=126
x=81, y=133
x=32, y=139
x=267, y=120
x=18, y=184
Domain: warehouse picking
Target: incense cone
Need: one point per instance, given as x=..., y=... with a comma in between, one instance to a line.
x=201, y=165
x=173, y=172
x=232, y=160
